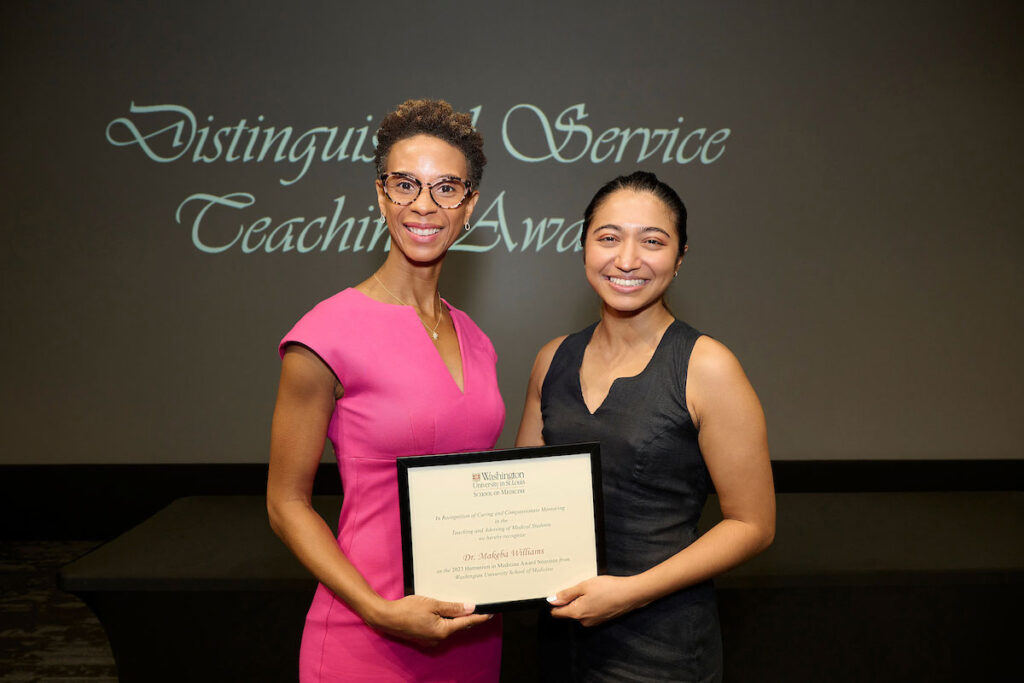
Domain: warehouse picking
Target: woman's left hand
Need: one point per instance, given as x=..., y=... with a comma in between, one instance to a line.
x=595, y=600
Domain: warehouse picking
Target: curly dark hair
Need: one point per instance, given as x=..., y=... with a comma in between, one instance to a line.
x=436, y=118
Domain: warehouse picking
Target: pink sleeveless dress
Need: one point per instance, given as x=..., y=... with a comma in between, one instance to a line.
x=399, y=400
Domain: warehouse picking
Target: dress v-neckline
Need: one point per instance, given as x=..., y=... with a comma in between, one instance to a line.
x=436, y=352
x=611, y=387
x=458, y=343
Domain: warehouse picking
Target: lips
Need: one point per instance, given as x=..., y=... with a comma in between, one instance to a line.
x=421, y=230
x=626, y=283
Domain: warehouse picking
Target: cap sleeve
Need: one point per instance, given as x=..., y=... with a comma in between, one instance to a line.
x=322, y=330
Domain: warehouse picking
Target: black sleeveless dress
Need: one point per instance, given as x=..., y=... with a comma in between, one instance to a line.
x=655, y=484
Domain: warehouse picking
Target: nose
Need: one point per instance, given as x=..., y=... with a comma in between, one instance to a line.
x=424, y=203
x=628, y=256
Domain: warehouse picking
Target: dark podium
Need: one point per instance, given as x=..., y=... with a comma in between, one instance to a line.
x=857, y=587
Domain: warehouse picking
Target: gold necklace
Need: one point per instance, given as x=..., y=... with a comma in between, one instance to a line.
x=433, y=332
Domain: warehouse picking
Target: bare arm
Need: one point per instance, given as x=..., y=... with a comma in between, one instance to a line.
x=305, y=402
x=531, y=426
x=734, y=443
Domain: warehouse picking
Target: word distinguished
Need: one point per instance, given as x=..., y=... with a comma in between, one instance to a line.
x=568, y=140
x=215, y=229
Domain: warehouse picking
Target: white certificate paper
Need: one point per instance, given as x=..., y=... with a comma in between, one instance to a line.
x=501, y=529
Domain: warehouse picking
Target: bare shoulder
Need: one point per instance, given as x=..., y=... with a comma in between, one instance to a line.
x=717, y=385
x=548, y=350
x=712, y=361
x=531, y=427
x=544, y=356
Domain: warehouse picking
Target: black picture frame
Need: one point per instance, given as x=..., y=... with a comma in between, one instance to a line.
x=407, y=463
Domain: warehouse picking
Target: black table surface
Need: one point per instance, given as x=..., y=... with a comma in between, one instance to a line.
x=224, y=543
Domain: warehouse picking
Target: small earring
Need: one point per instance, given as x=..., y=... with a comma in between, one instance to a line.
x=467, y=227
x=675, y=274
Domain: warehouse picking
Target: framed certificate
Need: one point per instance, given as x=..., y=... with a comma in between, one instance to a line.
x=502, y=529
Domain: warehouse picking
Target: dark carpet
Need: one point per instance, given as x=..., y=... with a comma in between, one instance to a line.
x=47, y=635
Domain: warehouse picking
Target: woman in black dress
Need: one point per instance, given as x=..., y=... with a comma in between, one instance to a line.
x=675, y=414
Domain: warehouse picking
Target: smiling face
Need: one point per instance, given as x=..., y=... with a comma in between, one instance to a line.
x=631, y=250
x=422, y=231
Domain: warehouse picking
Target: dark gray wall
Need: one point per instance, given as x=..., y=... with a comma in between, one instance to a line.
x=854, y=238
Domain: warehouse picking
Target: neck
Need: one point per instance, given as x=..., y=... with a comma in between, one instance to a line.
x=413, y=284
x=635, y=327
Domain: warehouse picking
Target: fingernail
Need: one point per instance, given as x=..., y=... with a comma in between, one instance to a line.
x=552, y=598
x=468, y=606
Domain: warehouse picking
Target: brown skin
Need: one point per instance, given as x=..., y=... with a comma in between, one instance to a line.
x=308, y=391
x=630, y=256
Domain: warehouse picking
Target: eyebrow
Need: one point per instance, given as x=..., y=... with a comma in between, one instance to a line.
x=641, y=230
x=443, y=176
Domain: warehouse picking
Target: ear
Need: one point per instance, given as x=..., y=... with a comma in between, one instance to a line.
x=382, y=199
x=470, y=204
x=679, y=259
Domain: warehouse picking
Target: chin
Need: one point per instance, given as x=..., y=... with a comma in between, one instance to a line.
x=424, y=259
x=422, y=256
x=628, y=306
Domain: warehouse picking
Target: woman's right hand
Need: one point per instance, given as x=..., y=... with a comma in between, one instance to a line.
x=422, y=619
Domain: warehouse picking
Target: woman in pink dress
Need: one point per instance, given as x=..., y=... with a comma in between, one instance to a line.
x=386, y=369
